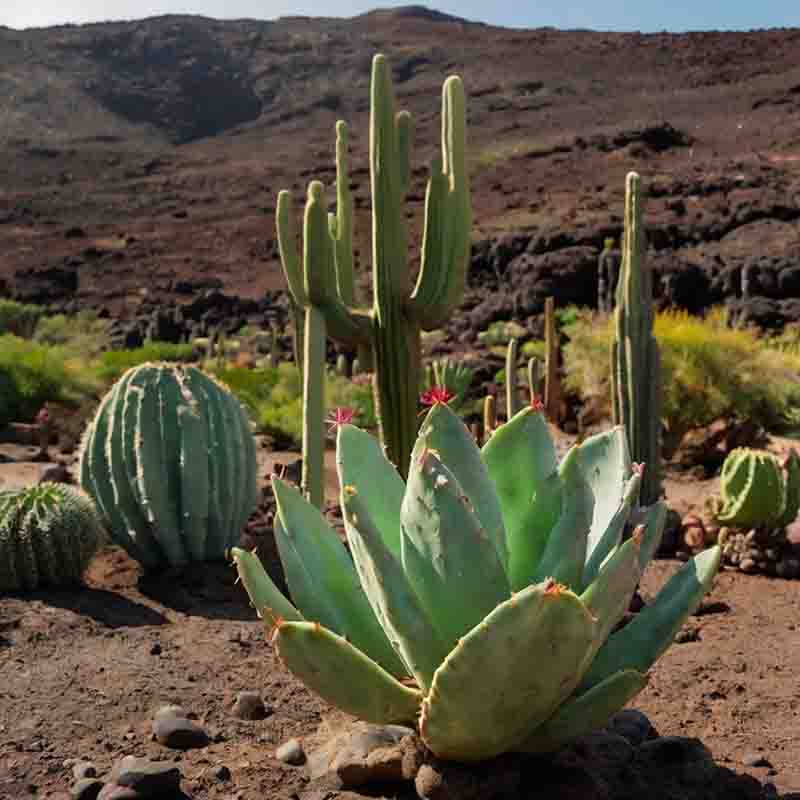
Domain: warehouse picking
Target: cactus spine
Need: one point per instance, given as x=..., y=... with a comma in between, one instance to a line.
x=390, y=331
x=635, y=360
x=170, y=461
x=48, y=535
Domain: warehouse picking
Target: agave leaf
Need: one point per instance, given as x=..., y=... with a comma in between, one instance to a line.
x=565, y=551
x=609, y=595
x=449, y=559
x=508, y=674
x=603, y=545
x=344, y=676
x=322, y=579
x=653, y=518
x=265, y=596
x=392, y=599
x=447, y=435
x=361, y=463
x=521, y=461
x=585, y=713
x=653, y=629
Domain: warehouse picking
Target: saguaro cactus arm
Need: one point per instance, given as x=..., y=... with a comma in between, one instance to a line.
x=448, y=217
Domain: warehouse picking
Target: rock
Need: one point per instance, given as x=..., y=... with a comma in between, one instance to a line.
x=249, y=706
x=676, y=750
x=173, y=729
x=366, y=754
x=83, y=769
x=756, y=760
x=291, y=752
x=112, y=791
x=86, y=789
x=607, y=746
x=633, y=725
x=147, y=777
x=222, y=773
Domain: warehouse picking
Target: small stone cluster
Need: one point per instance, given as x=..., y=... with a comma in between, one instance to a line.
x=757, y=550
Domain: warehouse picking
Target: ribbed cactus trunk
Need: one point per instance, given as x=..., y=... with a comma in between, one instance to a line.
x=389, y=333
x=635, y=360
x=552, y=380
x=313, y=475
x=397, y=343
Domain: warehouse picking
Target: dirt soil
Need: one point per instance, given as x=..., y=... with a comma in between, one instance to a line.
x=82, y=672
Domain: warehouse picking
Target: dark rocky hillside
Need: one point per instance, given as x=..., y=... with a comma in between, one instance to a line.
x=142, y=160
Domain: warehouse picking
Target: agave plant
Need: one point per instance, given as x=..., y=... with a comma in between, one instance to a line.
x=483, y=598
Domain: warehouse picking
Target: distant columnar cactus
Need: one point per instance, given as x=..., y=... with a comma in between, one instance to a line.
x=390, y=330
x=635, y=359
x=48, y=535
x=171, y=462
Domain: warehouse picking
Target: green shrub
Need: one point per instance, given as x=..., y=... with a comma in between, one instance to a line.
x=709, y=371
x=115, y=362
x=274, y=397
x=84, y=333
x=33, y=374
x=19, y=318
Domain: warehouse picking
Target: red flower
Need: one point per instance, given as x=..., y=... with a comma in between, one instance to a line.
x=340, y=416
x=436, y=395
x=536, y=402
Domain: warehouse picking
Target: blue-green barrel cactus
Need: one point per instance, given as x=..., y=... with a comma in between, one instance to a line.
x=48, y=535
x=755, y=492
x=170, y=461
x=484, y=593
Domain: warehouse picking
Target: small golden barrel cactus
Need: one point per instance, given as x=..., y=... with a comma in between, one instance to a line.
x=48, y=535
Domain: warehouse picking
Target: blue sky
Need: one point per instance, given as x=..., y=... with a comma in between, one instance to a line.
x=679, y=15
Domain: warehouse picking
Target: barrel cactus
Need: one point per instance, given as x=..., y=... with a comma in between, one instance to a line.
x=171, y=462
x=465, y=575
x=755, y=492
x=48, y=535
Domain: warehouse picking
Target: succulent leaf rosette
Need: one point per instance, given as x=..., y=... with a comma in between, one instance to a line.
x=482, y=599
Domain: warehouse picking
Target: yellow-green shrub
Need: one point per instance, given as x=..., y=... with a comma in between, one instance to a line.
x=709, y=371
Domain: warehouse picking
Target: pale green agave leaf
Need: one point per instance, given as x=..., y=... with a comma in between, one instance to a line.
x=449, y=559
x=606, y=465
x=344, y=676
x=445, y=433
x=521, y=461
x=565, y=550
x=585, y=713
x=362, y=464
x=267, y=599
x=639, y=644
x=322, y=579
x=599, y=550
x=507, y=675
x=394, y=602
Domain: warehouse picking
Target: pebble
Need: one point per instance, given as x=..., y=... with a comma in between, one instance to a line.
x=111, y=791
x=632, y=724
x=250, y=706
x=176, y=731
x=291, y=752
x=222, y=773
x=147, y=777
x=83, y=769
x=86, y=789
x=756, y=760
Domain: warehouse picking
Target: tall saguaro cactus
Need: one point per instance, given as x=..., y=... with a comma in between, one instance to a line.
x=635, y=360
x=391, y=329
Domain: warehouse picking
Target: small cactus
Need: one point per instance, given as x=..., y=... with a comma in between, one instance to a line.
x=48, y=535
x=170, y=461
x=754, y=491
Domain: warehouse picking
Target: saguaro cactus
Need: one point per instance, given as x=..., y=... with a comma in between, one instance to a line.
x=635, y=360
x=390, y=330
